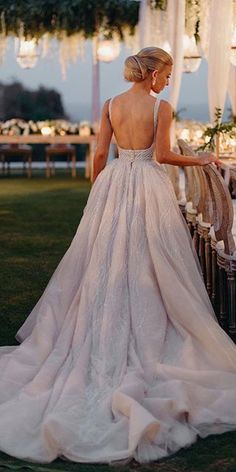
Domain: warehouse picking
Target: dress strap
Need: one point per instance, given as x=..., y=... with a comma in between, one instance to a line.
x=109, y=108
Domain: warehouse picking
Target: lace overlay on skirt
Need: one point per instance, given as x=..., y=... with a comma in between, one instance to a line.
x=122, y=356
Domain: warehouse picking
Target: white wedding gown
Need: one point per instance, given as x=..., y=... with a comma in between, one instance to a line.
x=122, y=357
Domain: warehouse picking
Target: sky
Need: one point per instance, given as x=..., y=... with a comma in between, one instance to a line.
x=76, y=89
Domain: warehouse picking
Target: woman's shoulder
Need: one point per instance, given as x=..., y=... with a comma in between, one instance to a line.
x=165, y=105
x=117, y=98
x=165, y=109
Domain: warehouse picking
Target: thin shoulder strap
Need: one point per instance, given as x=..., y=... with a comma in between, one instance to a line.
x=156, y=109
x=109, y=108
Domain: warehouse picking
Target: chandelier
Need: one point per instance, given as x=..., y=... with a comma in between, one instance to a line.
x=192, y=58
x=108, y=50
x=27, y=53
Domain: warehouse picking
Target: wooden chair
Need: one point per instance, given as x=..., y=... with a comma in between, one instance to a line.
x=203, y=223
x=193, y=192
x=57, y=150
x=224, y=224
x=21, y=152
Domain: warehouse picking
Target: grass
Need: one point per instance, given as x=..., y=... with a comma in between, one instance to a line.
x=38, y=220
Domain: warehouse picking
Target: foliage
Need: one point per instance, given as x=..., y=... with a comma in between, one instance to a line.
x=231, y=116
x=177, y=114
x=17, y=101
x=192, y=18
x=71, y=16
x=217, y=129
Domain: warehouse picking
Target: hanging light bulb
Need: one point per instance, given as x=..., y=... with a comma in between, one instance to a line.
x=27, y=53
x=233, y=48
x=166, y=46
x=108, y=49
x=192, y=59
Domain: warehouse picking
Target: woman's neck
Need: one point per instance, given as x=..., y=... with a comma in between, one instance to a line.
x=143, y=87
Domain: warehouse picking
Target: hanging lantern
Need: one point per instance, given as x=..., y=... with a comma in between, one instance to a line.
x=233, y=48
x=27, y=53
x=192, y=58
x=108, y=50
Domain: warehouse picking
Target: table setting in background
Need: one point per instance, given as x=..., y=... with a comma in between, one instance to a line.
x=17, y=135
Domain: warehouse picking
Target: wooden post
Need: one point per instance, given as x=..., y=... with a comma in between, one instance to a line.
x=48, y=171
x=232, y=301
x=214, y=269
x=208, y=265
x=217, y=145
x=223, y=318
x=73, y=165
x=29, y=170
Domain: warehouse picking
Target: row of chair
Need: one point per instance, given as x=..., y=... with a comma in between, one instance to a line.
x=210, y=213
x=23, y=153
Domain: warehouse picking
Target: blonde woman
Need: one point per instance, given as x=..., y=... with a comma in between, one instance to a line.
x=122, y=357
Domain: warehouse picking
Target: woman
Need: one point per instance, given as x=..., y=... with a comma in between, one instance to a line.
x=122, y=357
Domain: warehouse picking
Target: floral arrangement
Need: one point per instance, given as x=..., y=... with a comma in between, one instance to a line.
x=219, y=129
x=18, y=127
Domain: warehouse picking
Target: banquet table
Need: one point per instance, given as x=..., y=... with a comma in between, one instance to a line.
x=59, y=140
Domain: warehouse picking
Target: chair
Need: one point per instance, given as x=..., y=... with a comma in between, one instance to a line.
x=19, y=151
x=196, y=195
x=216, y=226
x=224, y=222
x=54, y=150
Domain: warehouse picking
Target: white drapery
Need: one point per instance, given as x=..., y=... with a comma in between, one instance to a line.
x=143, y=23
x=176, y=24
x=232, y=88
x=176, y=16
x=153, y=26
x=219, y=51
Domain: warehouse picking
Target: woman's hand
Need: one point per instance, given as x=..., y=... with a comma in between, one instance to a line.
x=207, y=158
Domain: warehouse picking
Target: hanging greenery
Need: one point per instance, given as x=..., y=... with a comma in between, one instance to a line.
x=71, y=16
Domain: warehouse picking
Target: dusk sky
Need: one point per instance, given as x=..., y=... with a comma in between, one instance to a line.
x=76, y=88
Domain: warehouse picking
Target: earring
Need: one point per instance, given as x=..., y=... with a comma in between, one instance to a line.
x=154, y=81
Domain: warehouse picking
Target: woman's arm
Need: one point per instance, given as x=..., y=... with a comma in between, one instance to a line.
x=104, y=139
x=163, y=153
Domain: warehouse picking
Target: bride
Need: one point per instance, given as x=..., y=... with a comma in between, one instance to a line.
x=122, y=357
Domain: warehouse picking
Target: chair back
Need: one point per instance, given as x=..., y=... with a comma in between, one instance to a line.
x=223, y=213
x=196, y=185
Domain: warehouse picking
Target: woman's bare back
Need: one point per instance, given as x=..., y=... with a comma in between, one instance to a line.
x=132, y=120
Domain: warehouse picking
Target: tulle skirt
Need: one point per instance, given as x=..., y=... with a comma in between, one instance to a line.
x=122, y=357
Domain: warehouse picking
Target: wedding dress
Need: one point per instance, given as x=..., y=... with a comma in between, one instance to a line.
x=122, y=357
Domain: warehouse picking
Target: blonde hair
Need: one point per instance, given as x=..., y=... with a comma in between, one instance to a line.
x=138, y=66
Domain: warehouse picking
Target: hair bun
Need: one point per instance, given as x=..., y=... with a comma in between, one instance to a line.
x=135, y=69
x=138, y=66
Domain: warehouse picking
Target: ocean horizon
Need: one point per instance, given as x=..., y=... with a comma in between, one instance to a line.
x=196, y=112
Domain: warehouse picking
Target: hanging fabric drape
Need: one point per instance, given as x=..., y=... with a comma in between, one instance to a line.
x=152, y=28
x=218, y=56
x=176, y=24
x=143, y=20
x=232, y=88
x=176, y=16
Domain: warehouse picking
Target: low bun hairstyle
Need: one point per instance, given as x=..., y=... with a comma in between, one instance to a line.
x=138, y=66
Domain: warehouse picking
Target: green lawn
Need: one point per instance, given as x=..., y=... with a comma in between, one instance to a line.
x=38, y=219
